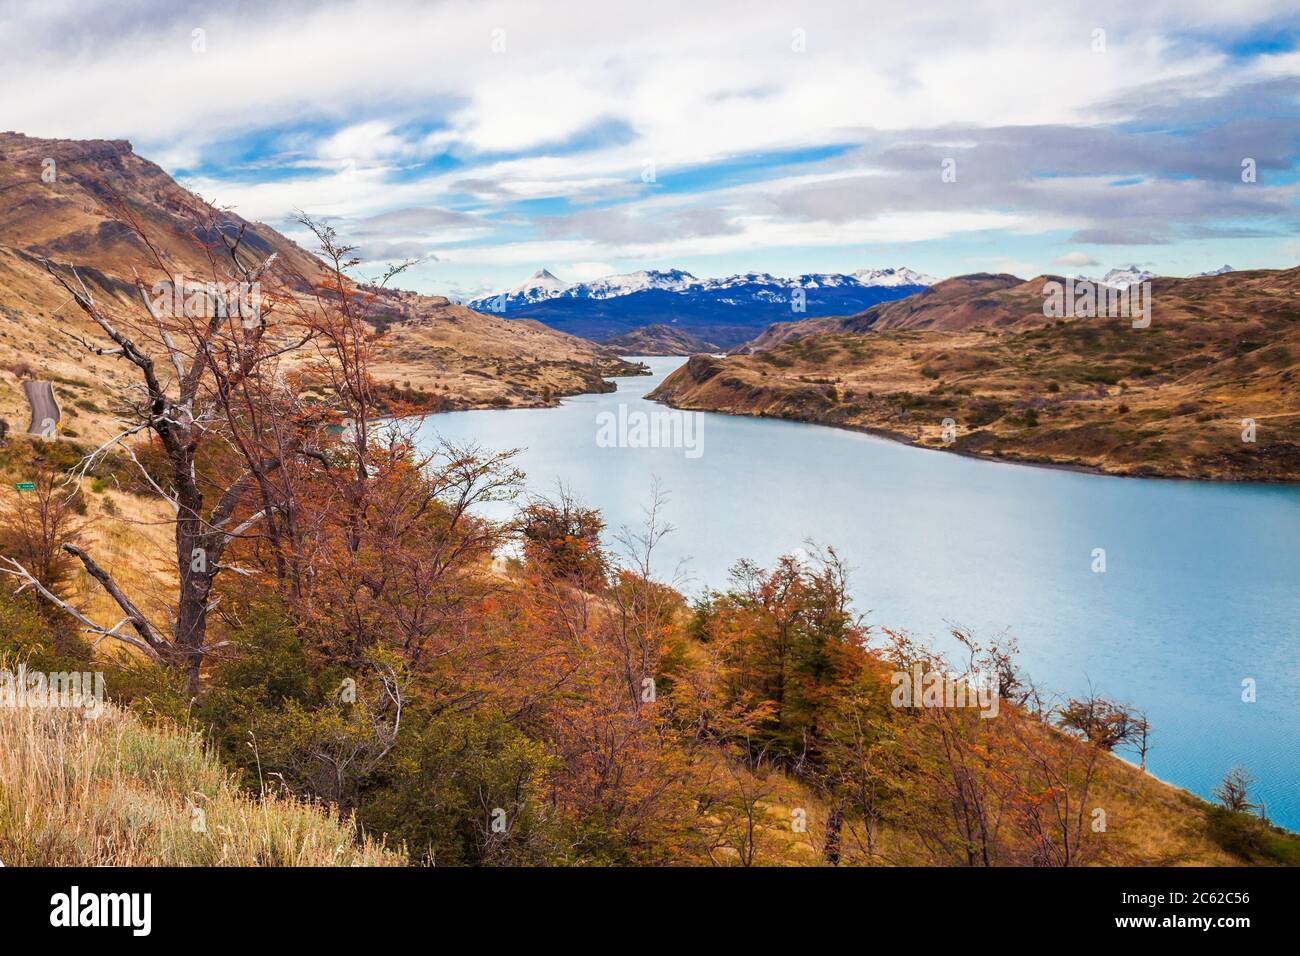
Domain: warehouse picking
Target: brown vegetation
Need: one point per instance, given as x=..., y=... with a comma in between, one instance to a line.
x=1174, y=399
x=92, y=216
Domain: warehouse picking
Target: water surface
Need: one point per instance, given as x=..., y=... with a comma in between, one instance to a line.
x=1201, y=588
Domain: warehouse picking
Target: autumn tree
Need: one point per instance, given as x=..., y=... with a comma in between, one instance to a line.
x=563, y=536
x=859, y=766
x=986, y=785
x=1105, y=723
x=798, y=640
x=794, y=651
x=1234, y=791
x=35, y=525
x=194, y=345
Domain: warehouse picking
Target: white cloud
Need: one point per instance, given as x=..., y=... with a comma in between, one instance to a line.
x=680, y=82
x=585, y=271
x=754, y=233
x=1075, y=259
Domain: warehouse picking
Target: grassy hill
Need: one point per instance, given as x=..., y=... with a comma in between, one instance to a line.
x=113, y=791
x=659, y=340
x=1171, y=400
x=73, y=203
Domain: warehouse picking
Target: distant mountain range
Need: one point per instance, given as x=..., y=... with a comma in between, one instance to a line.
x=1124, y=277
x=726, y=311
x=1128, y=275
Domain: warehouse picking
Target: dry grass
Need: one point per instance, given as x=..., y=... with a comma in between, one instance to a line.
x=135, y=545
x=111, y=791
x=129, y=535
x=1167, y=400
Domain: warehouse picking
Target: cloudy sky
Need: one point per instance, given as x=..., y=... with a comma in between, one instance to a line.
x=492, y=139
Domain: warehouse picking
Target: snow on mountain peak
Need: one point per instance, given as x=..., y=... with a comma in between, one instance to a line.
x=1213, y=272
x=756, y=286
x=609, y=287
x=1126, y=276
x=893, y=277
x=541, y=279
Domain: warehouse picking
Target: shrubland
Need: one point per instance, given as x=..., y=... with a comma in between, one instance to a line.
x=333, y=656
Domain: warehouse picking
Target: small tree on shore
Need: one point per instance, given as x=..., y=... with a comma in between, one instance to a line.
x=1234, y=791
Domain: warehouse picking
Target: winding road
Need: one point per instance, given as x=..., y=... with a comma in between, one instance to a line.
x=45, y=408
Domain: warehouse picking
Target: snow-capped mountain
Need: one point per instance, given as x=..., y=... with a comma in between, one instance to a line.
x=541, y=285
x=670, y=280
x=1125, y=277
x=1213, y=272
x=893, y=277
x=725, y=310
x=544, y=284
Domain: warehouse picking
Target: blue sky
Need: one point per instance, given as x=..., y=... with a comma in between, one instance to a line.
x=491, y=139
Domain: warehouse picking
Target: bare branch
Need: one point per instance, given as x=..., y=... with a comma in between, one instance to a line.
x=138, y=620
x=20, y=572
x=166, y=336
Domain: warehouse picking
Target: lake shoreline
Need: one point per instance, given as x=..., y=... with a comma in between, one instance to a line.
x=1004, y=459
x=898, y=439
x=935, y=539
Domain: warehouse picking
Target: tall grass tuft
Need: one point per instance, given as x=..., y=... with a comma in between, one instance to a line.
x=111, y=791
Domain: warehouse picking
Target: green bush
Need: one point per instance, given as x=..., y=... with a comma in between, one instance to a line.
x=1252, y=839
x=451, y=775
x=39, y=636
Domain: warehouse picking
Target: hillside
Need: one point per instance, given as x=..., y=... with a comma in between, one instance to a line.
x=1167, y=400
x=71, y=201
x=454, y=357
x=133, y=788
x=961, y=302
x=113, y=791
x=659, y=340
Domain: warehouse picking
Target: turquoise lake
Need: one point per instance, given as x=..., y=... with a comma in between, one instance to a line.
x=1201, y=589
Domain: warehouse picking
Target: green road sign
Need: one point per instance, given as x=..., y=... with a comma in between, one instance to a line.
x=25, y=485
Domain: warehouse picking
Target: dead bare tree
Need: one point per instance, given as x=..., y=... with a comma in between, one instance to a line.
x=196, y=349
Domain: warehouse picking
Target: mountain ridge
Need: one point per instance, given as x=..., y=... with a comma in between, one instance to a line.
x=728, y=310
x=77, y=203
x=1208, y=389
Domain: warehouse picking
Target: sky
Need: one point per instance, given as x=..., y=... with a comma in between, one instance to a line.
x=490, y=139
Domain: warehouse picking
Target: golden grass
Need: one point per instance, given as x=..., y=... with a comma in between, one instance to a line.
x=110, y=791
x=1149, y=823
x=136, y=546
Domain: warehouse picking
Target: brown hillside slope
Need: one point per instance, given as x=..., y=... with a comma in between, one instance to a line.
x=659, y=339
x=69, y=202
x=1170, y=399
x=957, y=303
